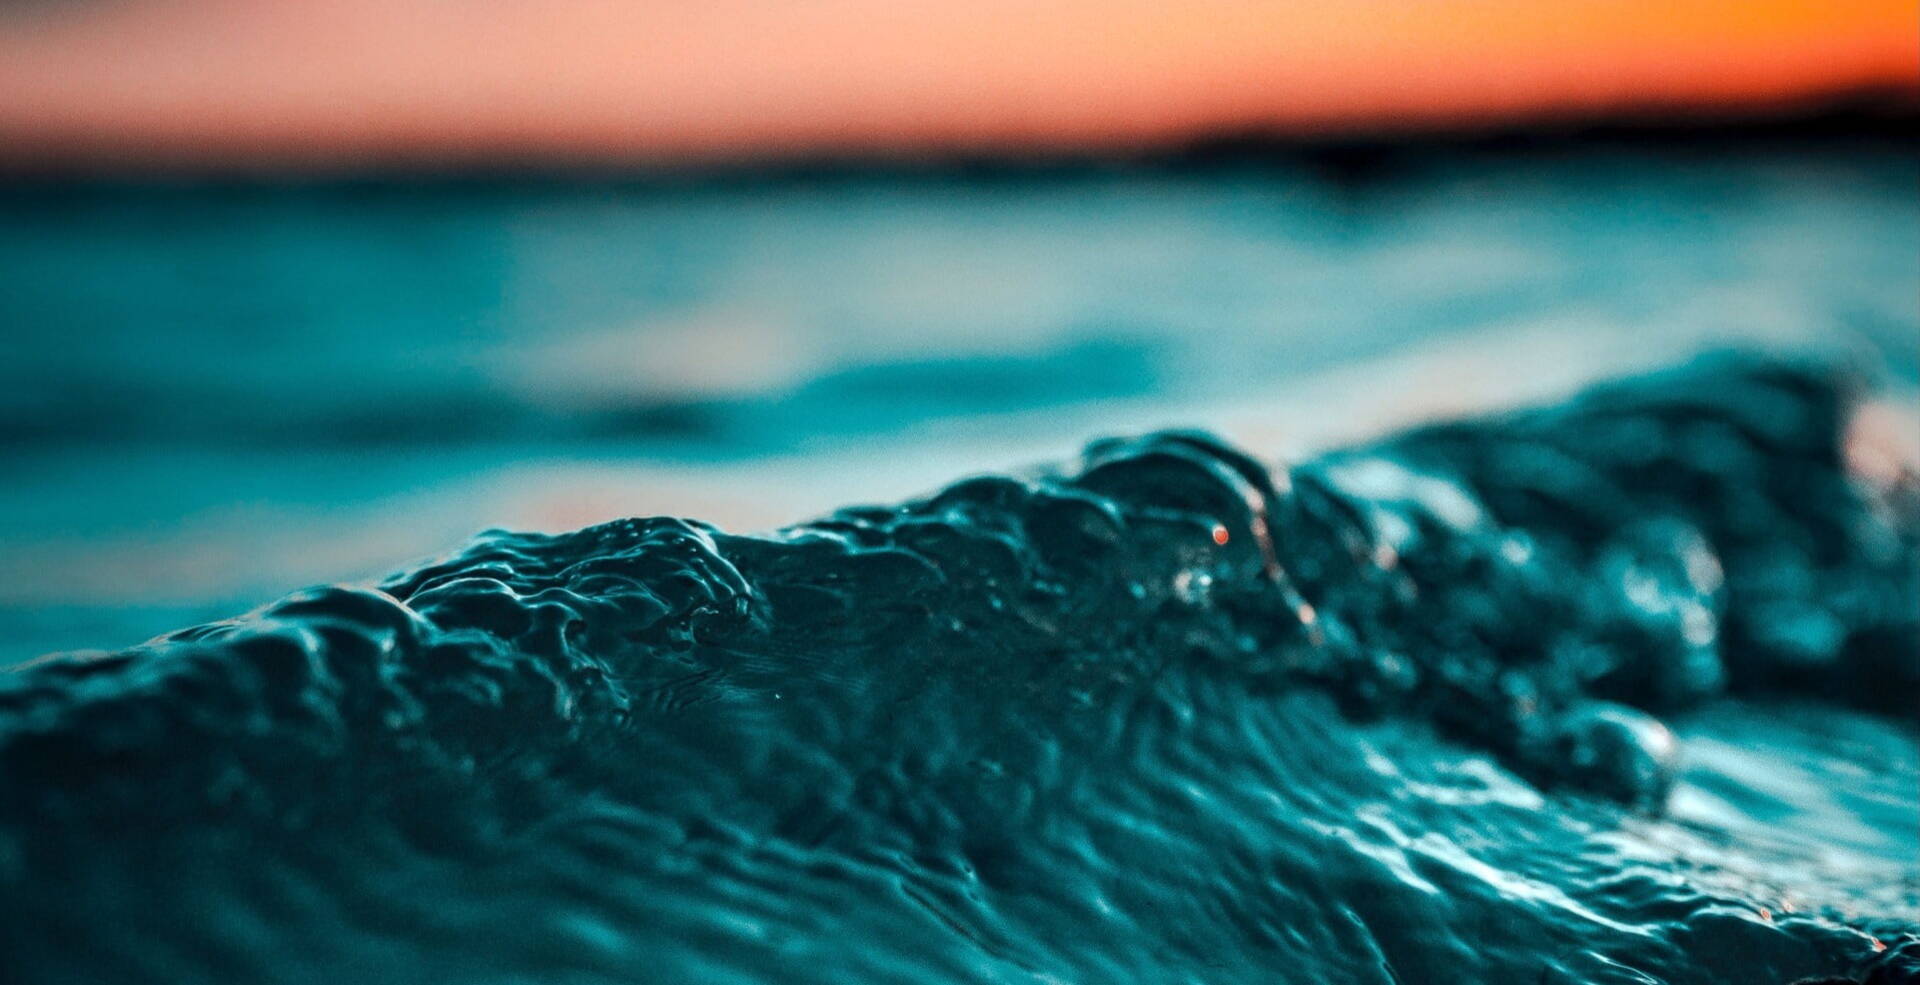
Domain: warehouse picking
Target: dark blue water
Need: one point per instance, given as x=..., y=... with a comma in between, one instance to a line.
x=1616, y=691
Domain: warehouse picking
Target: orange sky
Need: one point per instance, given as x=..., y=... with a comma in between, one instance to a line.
x=262, y=82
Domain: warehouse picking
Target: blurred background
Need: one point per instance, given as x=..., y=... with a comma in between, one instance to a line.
x=296, y=293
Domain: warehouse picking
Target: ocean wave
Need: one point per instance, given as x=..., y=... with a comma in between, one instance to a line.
x=1399, y=713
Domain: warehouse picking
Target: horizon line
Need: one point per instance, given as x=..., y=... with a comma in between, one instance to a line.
x=1884, y=109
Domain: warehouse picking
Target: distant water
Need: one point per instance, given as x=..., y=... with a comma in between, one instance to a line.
x=1614, y=692
x=212, y=395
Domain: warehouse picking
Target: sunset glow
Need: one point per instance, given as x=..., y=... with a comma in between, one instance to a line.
x=264, y=82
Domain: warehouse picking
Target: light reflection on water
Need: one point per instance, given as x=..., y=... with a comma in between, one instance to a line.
x=218, y=394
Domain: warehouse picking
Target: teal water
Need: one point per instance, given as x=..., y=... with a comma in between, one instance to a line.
x=212, y=395
x=1616, y=691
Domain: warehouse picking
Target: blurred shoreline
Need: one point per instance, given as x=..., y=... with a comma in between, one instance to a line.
x=1876, y=117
